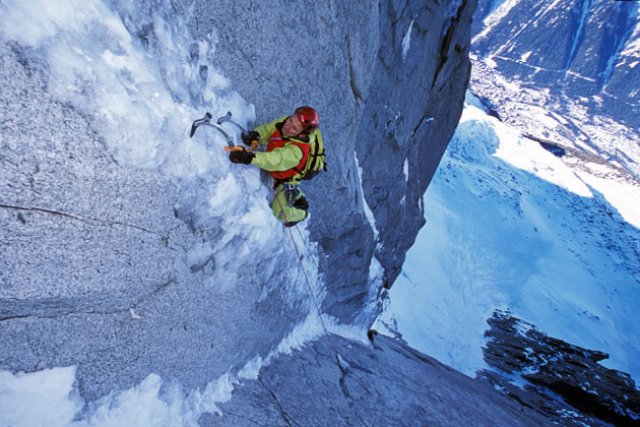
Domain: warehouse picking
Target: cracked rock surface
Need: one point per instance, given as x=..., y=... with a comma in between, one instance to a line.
x=387, y=384
x=95, y=270
x=387, y=114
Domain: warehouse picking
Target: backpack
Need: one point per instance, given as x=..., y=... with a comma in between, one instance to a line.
x=316, y=162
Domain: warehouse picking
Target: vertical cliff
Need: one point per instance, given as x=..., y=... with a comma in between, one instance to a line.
x=134, y=257
x=388, y=79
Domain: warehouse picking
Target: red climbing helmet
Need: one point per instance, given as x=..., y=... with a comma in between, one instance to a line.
x=308, y=116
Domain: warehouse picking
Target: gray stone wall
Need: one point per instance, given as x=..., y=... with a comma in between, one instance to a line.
x=346, y=59
x=94, y=265
x=384, y=384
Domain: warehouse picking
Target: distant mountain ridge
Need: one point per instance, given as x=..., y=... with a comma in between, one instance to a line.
x=563, y=72
x=588, y=49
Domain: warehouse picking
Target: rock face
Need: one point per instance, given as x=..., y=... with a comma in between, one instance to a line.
x=94, y=267
x=96, y=264
x=563, y=381
x=386, y=384
x=388, y=79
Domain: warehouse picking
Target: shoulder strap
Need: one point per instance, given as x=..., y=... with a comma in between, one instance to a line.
x=317, y=149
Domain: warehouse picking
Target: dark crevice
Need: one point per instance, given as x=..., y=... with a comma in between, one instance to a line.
x=287, y=418
x=345, y=389
x=162, y=287
x=78, y=218
x=64, y=314
x=88, y=312
x=443, y=55
x=423, y=119
x=344, y=370
x=44, y=210
x=2, y=319
x=552, y=147
x=357, y=93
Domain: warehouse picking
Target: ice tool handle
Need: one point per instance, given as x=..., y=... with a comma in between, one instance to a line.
x=206, y=121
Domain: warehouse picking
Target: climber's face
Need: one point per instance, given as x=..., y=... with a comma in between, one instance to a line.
x=292, y=126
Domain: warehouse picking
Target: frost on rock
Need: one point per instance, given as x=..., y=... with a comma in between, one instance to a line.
x=152, y=243
x=406, y=41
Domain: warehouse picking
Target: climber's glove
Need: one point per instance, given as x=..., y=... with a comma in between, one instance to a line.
x=243, y=156
x=250, y=136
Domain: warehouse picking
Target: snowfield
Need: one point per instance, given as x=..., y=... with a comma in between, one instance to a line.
x=511, y=226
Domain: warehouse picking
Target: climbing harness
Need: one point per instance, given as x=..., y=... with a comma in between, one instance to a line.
x=291, y=192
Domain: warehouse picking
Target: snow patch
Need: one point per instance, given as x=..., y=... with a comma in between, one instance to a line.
x=525, y=56
x=406, y=41
x=530, y=156
x=367, y=210
x=312, y=328
x=50, y=397
x=40, y=398
x=405, y=169
x=490, y=62
x=376, y=281
x=495, y=18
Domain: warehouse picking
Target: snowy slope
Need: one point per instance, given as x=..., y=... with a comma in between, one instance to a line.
x=510, y=225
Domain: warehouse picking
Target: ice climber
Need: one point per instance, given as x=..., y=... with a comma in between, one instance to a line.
x=294, y=151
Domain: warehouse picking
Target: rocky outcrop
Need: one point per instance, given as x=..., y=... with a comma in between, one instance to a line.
x=384, y=384
x=562, y=381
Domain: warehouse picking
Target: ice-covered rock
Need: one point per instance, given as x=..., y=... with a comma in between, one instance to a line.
x=137, y=263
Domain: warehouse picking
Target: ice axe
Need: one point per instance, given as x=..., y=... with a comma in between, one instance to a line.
x=231, y=146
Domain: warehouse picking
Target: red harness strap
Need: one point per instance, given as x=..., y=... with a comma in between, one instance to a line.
x=276, y=141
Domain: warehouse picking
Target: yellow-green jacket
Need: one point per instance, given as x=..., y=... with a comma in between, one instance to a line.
x=280, y=159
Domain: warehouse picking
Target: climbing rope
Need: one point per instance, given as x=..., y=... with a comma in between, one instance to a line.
x=313, y=297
